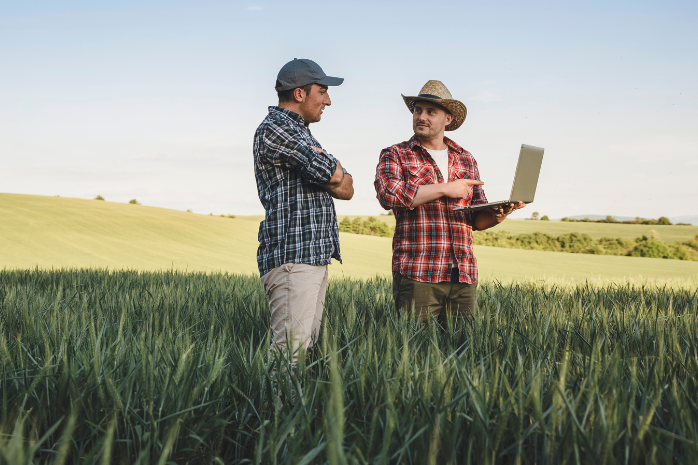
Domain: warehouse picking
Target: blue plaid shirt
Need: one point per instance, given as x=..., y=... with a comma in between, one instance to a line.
x=300, y=225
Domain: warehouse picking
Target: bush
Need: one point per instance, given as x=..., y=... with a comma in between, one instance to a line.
x=545, y=218
x=575, y=242
x=536, y=241
x=370, y=227
x=651, y=248
x=565, y=219
x=99, y=197
x=134, y=202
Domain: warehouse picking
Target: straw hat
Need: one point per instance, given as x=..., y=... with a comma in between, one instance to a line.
x=436, y=91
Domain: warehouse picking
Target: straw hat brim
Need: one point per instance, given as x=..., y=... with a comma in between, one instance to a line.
x=455, y=107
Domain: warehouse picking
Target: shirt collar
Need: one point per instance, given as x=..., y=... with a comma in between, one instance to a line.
x=452, y=146
x=293, y=116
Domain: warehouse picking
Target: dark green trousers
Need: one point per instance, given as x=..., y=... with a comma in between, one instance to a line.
x=435, y=300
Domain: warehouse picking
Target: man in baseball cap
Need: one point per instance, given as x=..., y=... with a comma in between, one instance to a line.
x=296, y=181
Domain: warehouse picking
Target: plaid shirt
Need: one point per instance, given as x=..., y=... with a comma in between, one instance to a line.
x=428, y=236
x=300, y=225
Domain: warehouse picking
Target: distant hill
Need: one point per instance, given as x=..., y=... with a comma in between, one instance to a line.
x=58, y=232
x=690, y=219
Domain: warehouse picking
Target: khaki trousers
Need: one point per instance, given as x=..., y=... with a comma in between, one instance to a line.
x=435, y=300
x=296, y=294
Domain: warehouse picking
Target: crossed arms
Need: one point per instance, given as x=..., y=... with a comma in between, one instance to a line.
x=341, y=184
x=314, y=165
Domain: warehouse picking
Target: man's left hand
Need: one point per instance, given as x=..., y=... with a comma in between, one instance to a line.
x=501, y=213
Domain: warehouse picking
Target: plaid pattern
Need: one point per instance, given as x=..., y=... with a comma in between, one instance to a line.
x=300, y=225
x=426, y=236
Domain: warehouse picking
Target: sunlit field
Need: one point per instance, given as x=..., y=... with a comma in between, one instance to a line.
x=56, y=232
x=140, y=368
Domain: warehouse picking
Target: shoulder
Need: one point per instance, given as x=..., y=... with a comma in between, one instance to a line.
x=400, y=148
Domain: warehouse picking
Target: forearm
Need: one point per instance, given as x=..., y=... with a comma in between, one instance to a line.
x=427, y=193
x=341, y=186
x=484, y=220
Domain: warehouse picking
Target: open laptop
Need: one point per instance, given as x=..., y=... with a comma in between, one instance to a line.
x=525, y=180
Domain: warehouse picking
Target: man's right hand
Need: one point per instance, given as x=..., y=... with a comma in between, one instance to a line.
x=460, y=188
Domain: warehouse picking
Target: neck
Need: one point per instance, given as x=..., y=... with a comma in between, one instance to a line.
x=436, y=143
x=291, y=106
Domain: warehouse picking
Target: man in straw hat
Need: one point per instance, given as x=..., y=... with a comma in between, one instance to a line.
x=296, y=180
x=422, y=180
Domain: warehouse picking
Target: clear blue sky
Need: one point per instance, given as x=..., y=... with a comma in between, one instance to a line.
x=159, y=100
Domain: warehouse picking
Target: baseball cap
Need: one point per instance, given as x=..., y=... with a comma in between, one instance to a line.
x=301, y=72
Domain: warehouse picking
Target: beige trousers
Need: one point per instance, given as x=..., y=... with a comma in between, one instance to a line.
x=296, y=300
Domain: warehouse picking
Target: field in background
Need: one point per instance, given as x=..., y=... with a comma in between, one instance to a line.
x=667, y=234
x=56, y=232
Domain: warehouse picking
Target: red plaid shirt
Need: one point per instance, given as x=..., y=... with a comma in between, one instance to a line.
x=427, y=235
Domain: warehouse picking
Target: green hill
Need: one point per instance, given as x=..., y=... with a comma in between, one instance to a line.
x=667, y=234
x=57, y=232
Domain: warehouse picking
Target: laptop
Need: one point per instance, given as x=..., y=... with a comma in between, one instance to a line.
x=525, y=180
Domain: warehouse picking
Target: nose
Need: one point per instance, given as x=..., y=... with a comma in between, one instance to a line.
x=327, y=100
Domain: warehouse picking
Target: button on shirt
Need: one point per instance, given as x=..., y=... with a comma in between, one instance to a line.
x=300, y=224
x=427, y=235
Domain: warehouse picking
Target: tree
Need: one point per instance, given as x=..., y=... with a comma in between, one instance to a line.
x=99, y=197
x=651, y=248
x=545, y=218
x=133, y=202
x=534, y=215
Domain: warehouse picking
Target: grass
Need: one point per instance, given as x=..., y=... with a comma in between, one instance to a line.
x=57, y=232
x=140, y=368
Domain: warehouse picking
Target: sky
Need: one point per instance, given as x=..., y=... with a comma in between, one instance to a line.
x=159, y=100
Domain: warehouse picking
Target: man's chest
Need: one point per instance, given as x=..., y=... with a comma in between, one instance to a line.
x=422, y=169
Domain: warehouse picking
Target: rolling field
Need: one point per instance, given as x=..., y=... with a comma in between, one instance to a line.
x=55, y=232
x=667, y=234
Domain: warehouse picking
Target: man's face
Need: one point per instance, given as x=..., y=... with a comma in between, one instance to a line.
x=429, y=120
x=314, y=102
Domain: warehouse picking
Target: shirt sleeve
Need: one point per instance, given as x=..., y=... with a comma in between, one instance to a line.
x=294, y=151
x=391, y=189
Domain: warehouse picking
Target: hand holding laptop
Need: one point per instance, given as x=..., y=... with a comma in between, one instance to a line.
x=501, y=212
x=524, y=188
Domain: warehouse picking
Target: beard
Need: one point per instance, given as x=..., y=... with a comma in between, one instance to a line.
x=427, y=131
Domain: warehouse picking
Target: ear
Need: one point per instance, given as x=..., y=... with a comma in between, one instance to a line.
x=299, y=94
x=449, y=118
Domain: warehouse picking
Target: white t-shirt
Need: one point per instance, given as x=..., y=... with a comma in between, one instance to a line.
x=441, y=159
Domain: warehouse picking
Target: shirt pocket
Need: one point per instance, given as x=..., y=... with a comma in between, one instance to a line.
x=420, y=175
x=459, y=173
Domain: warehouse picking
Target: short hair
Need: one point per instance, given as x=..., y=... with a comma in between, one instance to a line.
x=287, y=95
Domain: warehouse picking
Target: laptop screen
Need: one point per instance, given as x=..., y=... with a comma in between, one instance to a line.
x=527, y=171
